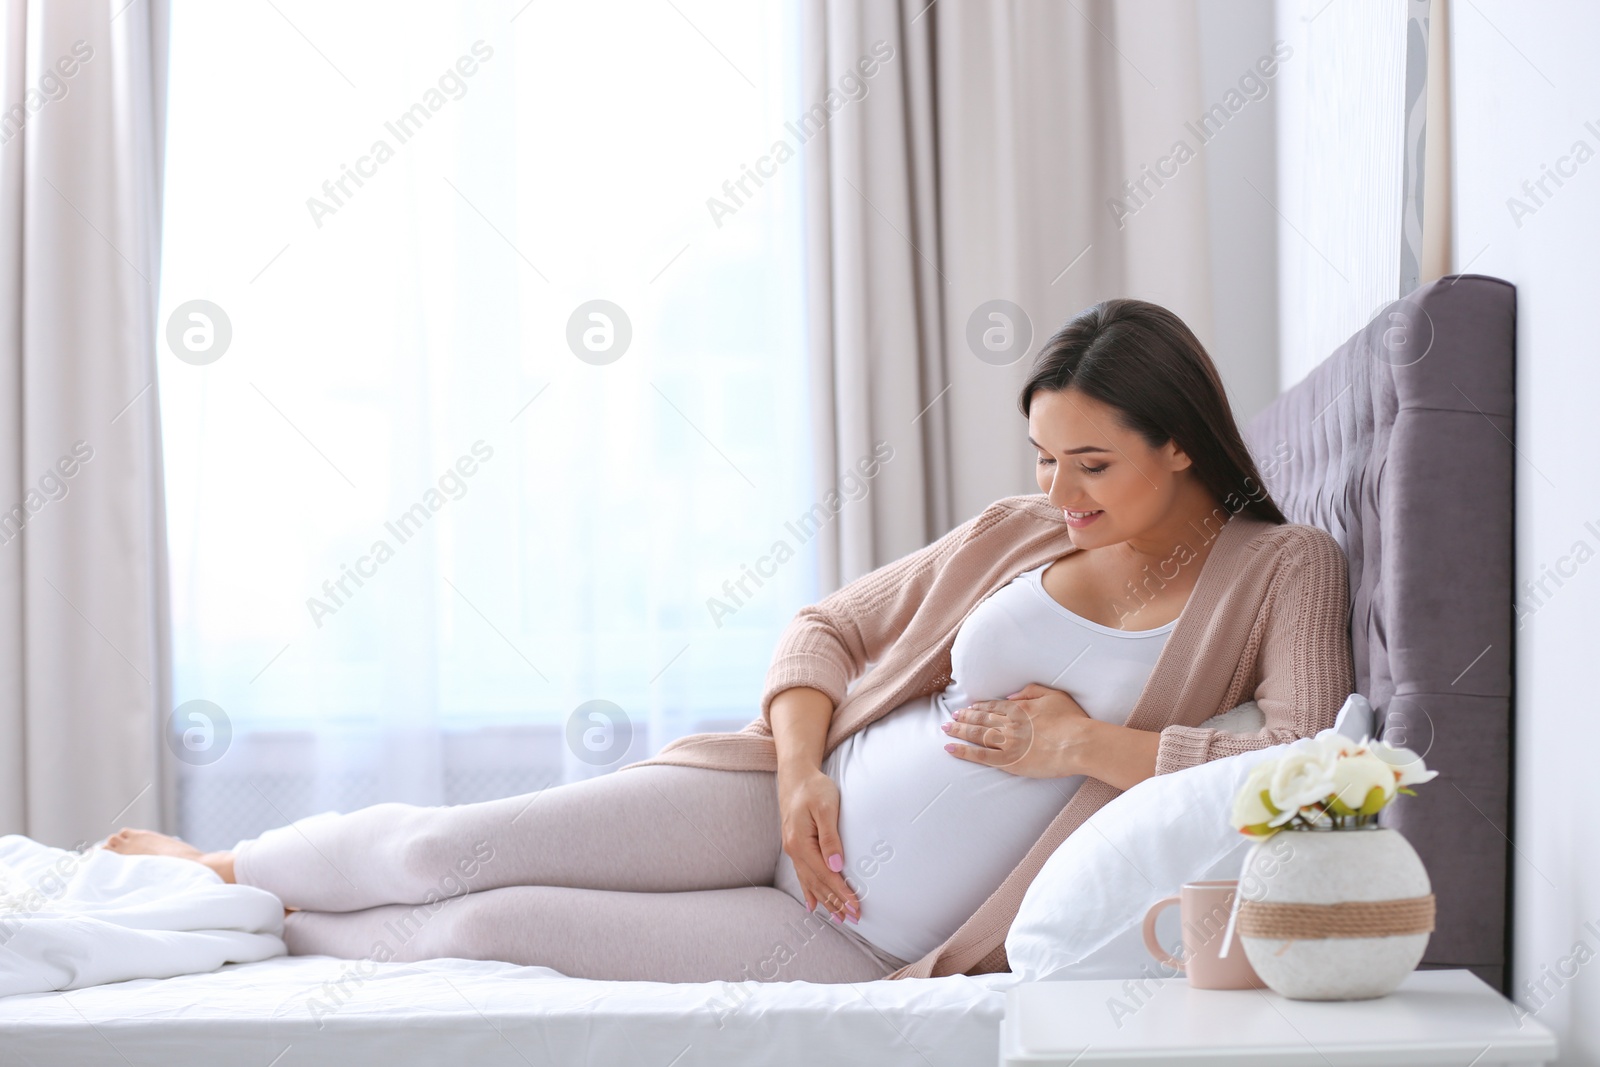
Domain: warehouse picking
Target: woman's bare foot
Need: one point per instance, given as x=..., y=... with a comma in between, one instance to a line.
x=132, y=842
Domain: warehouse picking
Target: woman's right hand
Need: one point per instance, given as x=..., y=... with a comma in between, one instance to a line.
x=809, y=805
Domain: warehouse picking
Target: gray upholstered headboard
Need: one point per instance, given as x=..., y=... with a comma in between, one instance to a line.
x=1399, y=444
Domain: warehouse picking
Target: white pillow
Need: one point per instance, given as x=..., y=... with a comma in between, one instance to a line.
x=1083, y=915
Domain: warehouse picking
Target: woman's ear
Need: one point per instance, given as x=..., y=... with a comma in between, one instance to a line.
x=1177, y=458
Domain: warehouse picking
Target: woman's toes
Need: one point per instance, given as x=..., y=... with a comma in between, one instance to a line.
x=134, y=842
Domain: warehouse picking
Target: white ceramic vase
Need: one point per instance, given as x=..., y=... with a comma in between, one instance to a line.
x=1347, y=882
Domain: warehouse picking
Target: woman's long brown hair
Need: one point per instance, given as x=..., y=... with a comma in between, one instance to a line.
x=1140, y=359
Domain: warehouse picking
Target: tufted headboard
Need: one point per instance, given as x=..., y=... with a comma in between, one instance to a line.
x=1400, y=444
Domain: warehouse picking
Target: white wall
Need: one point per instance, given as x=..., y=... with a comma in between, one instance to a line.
x=1526, y=95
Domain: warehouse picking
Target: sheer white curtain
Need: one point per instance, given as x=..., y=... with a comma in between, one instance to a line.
x=432, y=540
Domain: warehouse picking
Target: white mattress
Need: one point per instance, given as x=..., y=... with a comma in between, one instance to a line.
x=487, y=1013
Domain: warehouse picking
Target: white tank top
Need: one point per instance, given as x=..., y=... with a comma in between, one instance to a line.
x=928, y=835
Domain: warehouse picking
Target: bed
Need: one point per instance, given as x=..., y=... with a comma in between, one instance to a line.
x=1399, y=444
x=278, y=1012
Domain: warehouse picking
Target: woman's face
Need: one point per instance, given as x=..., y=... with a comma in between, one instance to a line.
x=1088, y=462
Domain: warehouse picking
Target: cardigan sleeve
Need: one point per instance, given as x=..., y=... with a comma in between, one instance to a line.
x=827, y=645
x=1304, y=663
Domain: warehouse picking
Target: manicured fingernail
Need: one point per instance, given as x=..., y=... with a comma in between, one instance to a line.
x=945, y=727
x=812, y=906
x=852, y=909
x=1013, y=696
x=949, y=748
x=834, y=917
x=855, y=919
x=835, y=862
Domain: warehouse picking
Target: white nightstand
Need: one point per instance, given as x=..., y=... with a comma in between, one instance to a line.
x=1448, y=1018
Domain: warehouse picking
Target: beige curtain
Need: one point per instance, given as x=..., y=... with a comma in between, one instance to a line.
x=961, y=153
x=1435, y=210
x=84, y=678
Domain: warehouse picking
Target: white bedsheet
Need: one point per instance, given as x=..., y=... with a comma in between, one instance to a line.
x=69, y=919
x=299, y=1011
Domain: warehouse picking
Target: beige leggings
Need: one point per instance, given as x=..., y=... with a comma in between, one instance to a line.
x=661, y=873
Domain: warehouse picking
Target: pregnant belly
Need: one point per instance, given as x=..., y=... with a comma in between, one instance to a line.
x=927, y=835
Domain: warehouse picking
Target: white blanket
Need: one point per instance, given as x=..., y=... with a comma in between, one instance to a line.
x=70, y=920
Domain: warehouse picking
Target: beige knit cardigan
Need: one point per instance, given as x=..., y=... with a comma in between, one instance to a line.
x=1268, y=620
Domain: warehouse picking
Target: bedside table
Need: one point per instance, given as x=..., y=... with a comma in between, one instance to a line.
x=1433, y=1019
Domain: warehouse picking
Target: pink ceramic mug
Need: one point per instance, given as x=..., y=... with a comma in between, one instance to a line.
x=1203, y=908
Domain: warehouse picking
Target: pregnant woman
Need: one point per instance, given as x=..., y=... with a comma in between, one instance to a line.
x=928, y=734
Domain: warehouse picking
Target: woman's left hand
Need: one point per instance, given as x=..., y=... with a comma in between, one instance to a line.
x=1035, y=732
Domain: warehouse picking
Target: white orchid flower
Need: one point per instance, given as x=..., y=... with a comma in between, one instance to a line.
x=1303, y=777
x=1252, y=808
x=1327, y=776
x=1407, y=765
x=1363, y=784
x=1338, y=744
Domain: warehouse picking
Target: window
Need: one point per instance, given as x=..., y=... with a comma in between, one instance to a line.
x=421, y=511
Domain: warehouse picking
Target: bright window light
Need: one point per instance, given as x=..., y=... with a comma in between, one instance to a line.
x=401, y=497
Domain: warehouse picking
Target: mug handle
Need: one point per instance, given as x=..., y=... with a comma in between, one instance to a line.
x=1150, y=942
